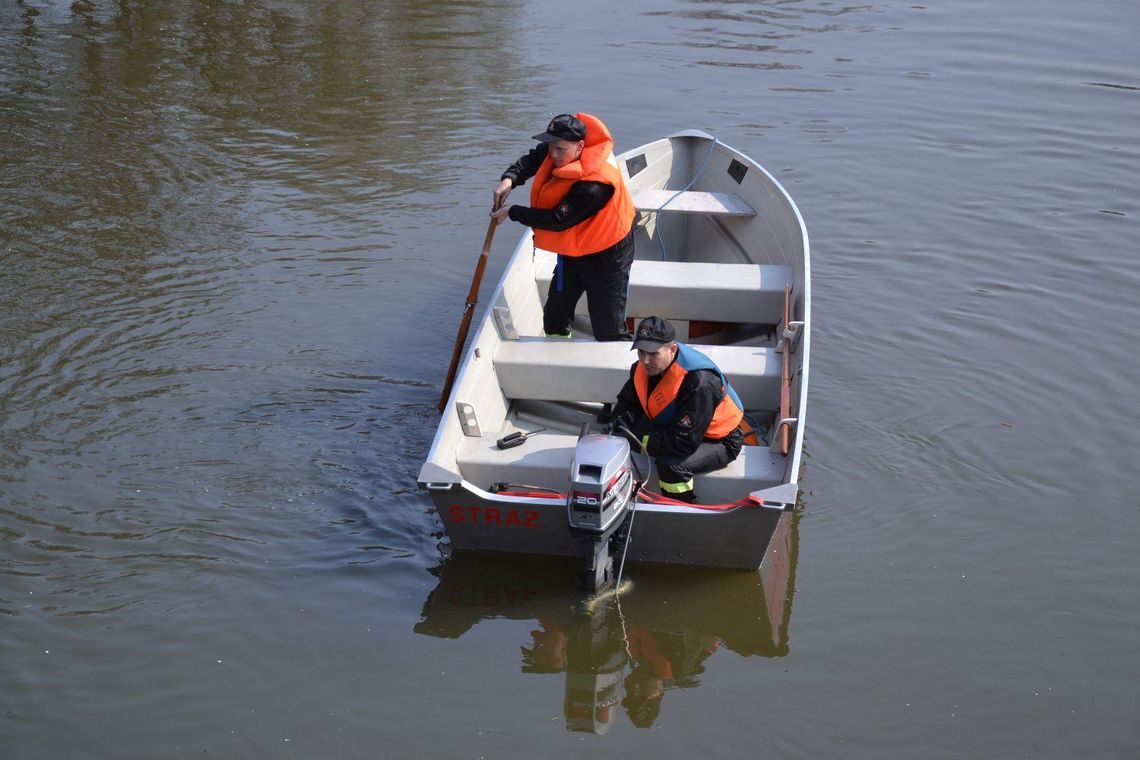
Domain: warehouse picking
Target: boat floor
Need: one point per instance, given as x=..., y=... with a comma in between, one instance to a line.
x=557, y=386
x=543, y=461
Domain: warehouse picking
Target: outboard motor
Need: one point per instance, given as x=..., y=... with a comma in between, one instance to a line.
x=602, y=486
x=596, y=658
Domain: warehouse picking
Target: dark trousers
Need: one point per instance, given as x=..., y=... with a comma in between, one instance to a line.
x=604, y=278
x=676, y=472
x=709, y=456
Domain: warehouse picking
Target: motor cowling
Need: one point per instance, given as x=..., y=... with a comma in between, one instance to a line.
x=601, y=484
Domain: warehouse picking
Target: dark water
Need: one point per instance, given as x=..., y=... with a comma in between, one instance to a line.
x=236, y=238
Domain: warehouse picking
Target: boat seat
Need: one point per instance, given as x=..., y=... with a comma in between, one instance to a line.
x=683, y=290
x=561, y=370
x=544, y=461
x=691, y=202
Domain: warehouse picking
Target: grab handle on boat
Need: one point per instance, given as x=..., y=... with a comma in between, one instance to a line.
x=438, y=486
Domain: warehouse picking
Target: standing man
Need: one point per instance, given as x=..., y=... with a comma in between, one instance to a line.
x=682, y=406
x=580, y=209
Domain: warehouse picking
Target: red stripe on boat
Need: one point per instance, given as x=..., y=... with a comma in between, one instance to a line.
x=652, y=498
x=647, y=497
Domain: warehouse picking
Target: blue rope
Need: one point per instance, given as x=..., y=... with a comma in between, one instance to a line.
x=660, y=241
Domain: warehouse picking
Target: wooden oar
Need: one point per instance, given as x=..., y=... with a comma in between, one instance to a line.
x=468, y=311
x=785, y=374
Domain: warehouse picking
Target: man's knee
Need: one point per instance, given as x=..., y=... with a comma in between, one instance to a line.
x=672, y=471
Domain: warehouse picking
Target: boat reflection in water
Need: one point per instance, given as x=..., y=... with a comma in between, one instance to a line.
x=621, y=658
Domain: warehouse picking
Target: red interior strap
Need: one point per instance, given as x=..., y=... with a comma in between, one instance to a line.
x=652, y=498
x=647, y=497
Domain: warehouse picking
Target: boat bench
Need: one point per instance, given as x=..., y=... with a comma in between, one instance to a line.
x=685, y=290
x=564, y=370
x=691, y=202
x=544, y=461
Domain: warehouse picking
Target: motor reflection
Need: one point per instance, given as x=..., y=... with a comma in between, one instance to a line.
x=620, y=656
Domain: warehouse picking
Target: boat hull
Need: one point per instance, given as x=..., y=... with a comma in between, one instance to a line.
x=736, y=537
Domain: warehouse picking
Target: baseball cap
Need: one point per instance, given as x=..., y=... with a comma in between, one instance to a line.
x=653, y=333
x=563, y=127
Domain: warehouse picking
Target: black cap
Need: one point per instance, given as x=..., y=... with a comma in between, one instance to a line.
x=653, y=333
x=563, y=127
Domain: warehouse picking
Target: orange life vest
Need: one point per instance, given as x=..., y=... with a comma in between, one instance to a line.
x=596, y=164
x=660, y=405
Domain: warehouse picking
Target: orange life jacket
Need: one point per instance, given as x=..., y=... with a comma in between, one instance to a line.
x=596, y=164
x=660, y=405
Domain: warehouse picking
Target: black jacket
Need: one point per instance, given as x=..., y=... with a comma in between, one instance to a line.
x=697, y=399
x=582, y=200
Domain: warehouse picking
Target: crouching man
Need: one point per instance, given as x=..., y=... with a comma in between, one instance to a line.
x=681, y=406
